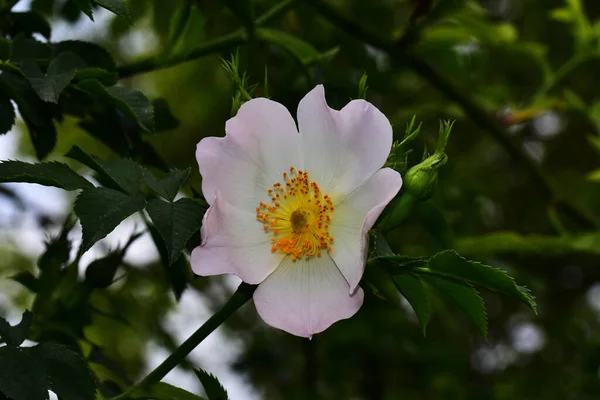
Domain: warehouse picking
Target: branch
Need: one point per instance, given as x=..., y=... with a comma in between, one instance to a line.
x=222, y=43
x=399, y=53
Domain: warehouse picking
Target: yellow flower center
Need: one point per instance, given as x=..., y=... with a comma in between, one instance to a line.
x=298, y=217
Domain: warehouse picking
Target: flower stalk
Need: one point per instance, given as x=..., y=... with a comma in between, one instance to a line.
x=243, y=293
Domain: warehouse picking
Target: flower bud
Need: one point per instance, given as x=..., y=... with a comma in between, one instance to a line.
x=101, y=272
x=421, y=180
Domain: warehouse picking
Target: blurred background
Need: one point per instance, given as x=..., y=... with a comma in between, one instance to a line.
x=520, y=79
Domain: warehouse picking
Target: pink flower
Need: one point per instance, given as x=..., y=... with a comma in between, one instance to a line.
x=290, y=208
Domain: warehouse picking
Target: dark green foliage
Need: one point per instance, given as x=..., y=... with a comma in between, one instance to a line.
x=415, y=293
x=67, y=373
x=15, y=335
x=7, y=113
x=101, y=210
x=119, y=7
x=48, y=174
x=169, y=185
x=176, y=222
x=213, y=388
x=122, y=174
x=60, y=72
x=22, y=377
x=27, y=23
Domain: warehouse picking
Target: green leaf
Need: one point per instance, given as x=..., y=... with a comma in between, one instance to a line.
x=176, y=222
x=68, y=374
x=38, y=116
x=301, y=50
x=167, y=187
x=119, y=7
x=107, y=78
x=15, y=335
x=132, y=102
x=433, y=219
x=7, y=113
x=464, y=296
x=213, y=388
x=123, y=174
x=164, y=391
x=28, y=280
x=101, y=210
x=60, y=72
x=21, y=375
x=28, y=23
x=48, y=174
x=136, y=104
x=93, y=55
x=449, y=263
x=415, y=293
x=24, y=48
x=164, y=120
x=86, y=7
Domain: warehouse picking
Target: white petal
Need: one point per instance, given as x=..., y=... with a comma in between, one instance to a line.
x=342, y=149
x=261, y=143
x=305, y=297
x=234, y=242
x=352, y=219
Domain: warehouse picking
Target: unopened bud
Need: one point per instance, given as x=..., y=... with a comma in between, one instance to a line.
x=421, y=180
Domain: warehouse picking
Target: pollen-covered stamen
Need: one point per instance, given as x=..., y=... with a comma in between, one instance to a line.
x=298, y=217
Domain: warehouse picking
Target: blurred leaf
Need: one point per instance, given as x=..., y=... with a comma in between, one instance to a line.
x=15, y=335
x=164, y=391
x=167, y=187
x=28, y=280
x=450, y=264
x=21, y=375
x=48, y=174
x=213, y=388
x=415, y=293
x=5, y=49
x=86, y=7
x=119, y=7
x=176, y=222
x=243, y=11
x=100, y=273
x=301, y=50
x=101, y=210
x=24, y=48
x=92, y=54
x=123, y=174
x=43, y=6
x=38, y=116
x=7, y=113
x=68, y=374
x=179, y=273
x=105, y=77
x=132, y=102
x=60, y=72
x=464, y=296
x=594, y=175
x=28, y=23
x=433, y=219
x=163, y=117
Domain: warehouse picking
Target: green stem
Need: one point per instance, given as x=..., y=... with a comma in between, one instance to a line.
x=560, y=74
x=222, y=43
x=400, y=54
x=238, y=299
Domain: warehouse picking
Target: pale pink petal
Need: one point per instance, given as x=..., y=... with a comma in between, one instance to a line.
x=342, y=149
x=305, y=297
x=353, y=218
x=234, y=242
x=261, y=143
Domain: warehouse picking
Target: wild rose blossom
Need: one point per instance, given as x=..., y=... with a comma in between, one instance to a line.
x=290, y=208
